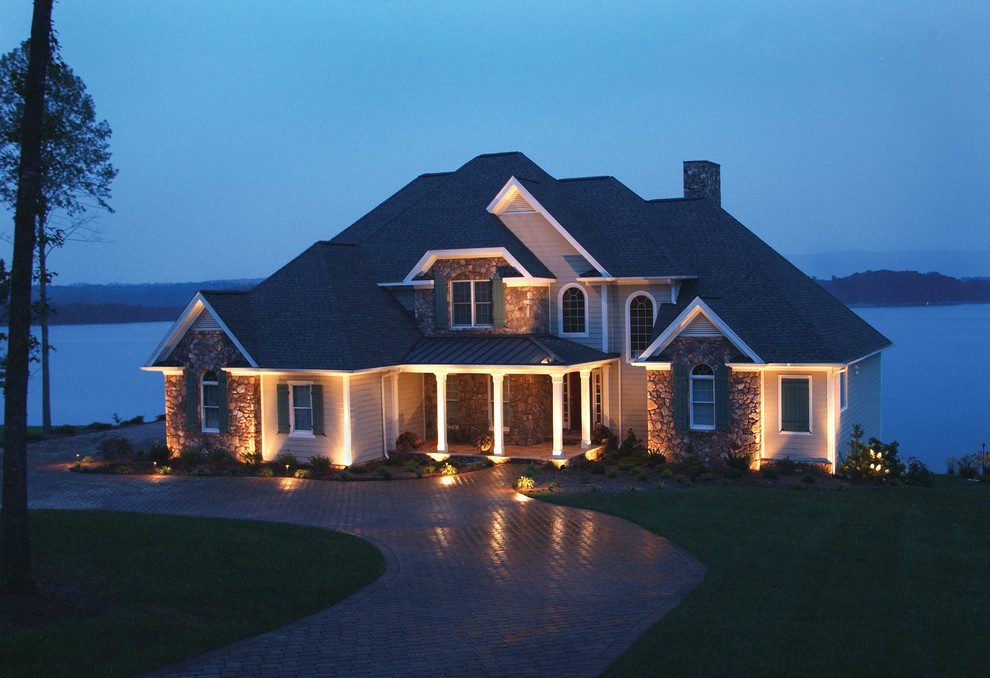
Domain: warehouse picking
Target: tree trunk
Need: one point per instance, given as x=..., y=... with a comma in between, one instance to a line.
x=46, y=389
x=15, y=560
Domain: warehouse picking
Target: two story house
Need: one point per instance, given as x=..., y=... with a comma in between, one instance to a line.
x=496, y=298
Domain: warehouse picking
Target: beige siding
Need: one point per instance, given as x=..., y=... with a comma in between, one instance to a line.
x=411, y=404
x=303, y=447
x=798, y=446
x=864, y=403
x=366, y=417
x=633, y=394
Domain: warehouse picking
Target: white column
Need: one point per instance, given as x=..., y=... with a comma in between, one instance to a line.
x=441, y=412
x=499, y=447
x=557, y=381
x=395, y=406
x=585, y=409
x=346, y=393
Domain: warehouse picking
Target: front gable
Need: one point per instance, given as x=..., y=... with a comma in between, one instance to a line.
x=697, y=320
x=198, y=319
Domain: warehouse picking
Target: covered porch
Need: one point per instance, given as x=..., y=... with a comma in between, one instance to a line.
x=530, y=394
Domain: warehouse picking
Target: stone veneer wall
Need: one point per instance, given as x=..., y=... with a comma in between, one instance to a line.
x=527, y=309
x=200, y=352
x=744, y=406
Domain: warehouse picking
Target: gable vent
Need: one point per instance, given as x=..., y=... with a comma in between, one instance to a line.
x=518, y=205
x=701, y=327
x=205, y=322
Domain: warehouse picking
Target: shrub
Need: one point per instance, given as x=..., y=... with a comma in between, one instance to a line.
x=252, y=458
x=133, y=421
x=64, y=430
x=163, y=470
x=79, y=467
x=217, y=456
x=343, y=475
x=808, y=478
x=666, y=472
x=531, y=470
x=385, y=473
x=99, y=426
x=358, y=468
x=875, y=460
x=950, y=465
x=266, y=472
x=429, y=469
x=706, y=476
x=786, y=466
x=553, y=486
x=448, y=470
x=159, y=452
x=287, y=459
x=407, y=441
x=123, y=470
x=232, y=472
x=303, y=474
x=769, y=471
x=410, y=466
x=201, y=471
x=602, y=435
x=681, y=479
x=693, y=464
x=87, y=459
x=656, y=457
x=917, y=473
x=190, y=456
x=598, y=468
x=642, y=475
x=114, y=447
x=630, y=445
x=966, y=466
x=321, y=464
x=739, y=460
x=613, y=474
x=525, y=483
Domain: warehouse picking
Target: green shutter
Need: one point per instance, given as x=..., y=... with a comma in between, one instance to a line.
x=498, y=301
x=192, y=402
x=282, y=399
x=439, y=301
x=316, y=393
x=722, y=373
x=680, y=388
x=224, y=412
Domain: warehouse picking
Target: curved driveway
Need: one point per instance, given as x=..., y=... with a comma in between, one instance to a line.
x=479, y=581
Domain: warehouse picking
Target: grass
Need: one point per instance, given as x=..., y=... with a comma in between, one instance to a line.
x=179, y=586
x=860, y=583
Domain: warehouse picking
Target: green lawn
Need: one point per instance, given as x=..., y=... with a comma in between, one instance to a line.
x=870, y=582
x=180, y=586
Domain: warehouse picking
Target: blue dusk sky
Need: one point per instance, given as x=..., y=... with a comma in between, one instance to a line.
x=245, y=131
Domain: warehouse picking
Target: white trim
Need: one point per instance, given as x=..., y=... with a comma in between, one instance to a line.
x=293, y=432
x=780, y=405
x=441, y=378
x=842, y=378
x=508, y=193
x=496, y=383
x=628, y=342
x=830, y=424
x=691, y=379
x=557, y=387
x=348, y=428
x=182, y=325
x=560, y=310
x=428, y=259
x=504, y=369
x=585, y=376
x=202, y=402
x=474, y=305
x=692, y=310
x=605, y=327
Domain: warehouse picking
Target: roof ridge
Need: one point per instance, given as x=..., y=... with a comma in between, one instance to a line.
x=597, y=177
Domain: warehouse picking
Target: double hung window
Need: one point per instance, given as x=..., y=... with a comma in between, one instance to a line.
x=210, y=399
x=302, y=408
x=471, y=303
x=703, y=398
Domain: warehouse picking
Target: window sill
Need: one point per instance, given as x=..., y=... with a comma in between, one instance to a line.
x=301, y=434
x=210, y=430
x=796, y=433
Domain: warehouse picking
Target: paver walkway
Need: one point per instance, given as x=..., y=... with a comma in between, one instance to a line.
x=480, y=581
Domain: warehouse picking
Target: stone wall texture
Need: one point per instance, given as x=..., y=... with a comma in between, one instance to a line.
x=744, y=406
x=200, y=352
x=527, y=309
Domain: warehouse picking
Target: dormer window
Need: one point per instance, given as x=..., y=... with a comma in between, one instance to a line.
x=471, y=303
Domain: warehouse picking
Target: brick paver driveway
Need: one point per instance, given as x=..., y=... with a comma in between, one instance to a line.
x=479, y=580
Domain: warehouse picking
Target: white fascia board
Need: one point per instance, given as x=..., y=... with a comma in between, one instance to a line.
x=505, y=369
x=297, y=372
x=415, y=284
x=180, y=326
x=467, y=253
x=528, y=282
x=506, y=195
x=163, y=370
x=692, y=311
x=868, y=355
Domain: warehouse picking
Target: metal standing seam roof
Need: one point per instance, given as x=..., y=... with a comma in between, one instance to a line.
x=506, y=350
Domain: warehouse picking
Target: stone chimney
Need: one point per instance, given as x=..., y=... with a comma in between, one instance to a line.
x=701, y=179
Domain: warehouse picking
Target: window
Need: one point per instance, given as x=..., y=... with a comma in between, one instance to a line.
x=453, y=401
x=302, y=408
x=703, y=398
x=795, y=404
x=843, y=389
x=597, y=418
x=573, y=314
x=505, y=403
x=640, y=324
x=210, y=399
x=471, y=303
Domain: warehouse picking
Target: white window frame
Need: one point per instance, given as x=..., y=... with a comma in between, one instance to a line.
x=629, y=299
x=843, y=390
x=505, y=404
x=203, y=383
x=474, y=303
x=566, y=400
x=293, y=431
x=560, y=310
x=780, y=404
x=702, y=377
x=452, y=382
x=597, y=412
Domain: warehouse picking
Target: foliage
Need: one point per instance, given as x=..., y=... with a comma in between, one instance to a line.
x=217, y=455
x=448, y=470
x=531, y=470
x=769, y=471
x=163, y=470
x=303, y=474
x=266, y=472
x=967, y=466
x=738, y=459
x=357, y=468
x=321, y=464
x=483, y=443
x=64, y=430
x=917, y=473
x=201, y=471
x=123, y=470
x=875, y=460
x=602, y=435
x=190, y=456
x=693, y=464
x=785, y=466
x=410, y=466
x=407, y=441
x=113, y=448
x=252, y=458
x=287, y=459
x=630, y=445
x=98, y=426
x=525, y=483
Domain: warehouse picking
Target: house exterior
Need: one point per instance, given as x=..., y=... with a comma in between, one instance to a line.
x=498, y=298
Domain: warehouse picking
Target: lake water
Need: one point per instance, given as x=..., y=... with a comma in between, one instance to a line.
x=936, y=378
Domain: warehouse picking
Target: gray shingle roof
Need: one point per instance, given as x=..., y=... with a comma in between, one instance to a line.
x=324, y=310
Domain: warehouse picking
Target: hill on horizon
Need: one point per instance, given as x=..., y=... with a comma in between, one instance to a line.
x=953, y=263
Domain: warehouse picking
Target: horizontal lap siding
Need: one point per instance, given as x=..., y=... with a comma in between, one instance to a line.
x=303, y=447
x=633, y=401
x=411, y=404
x=366, y=417
x=864, y=402
x=796, y=445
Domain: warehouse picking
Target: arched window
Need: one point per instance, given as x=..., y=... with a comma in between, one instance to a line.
x=703, y=397
x=640, y=324
x=210, y=399
x=573, y=311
